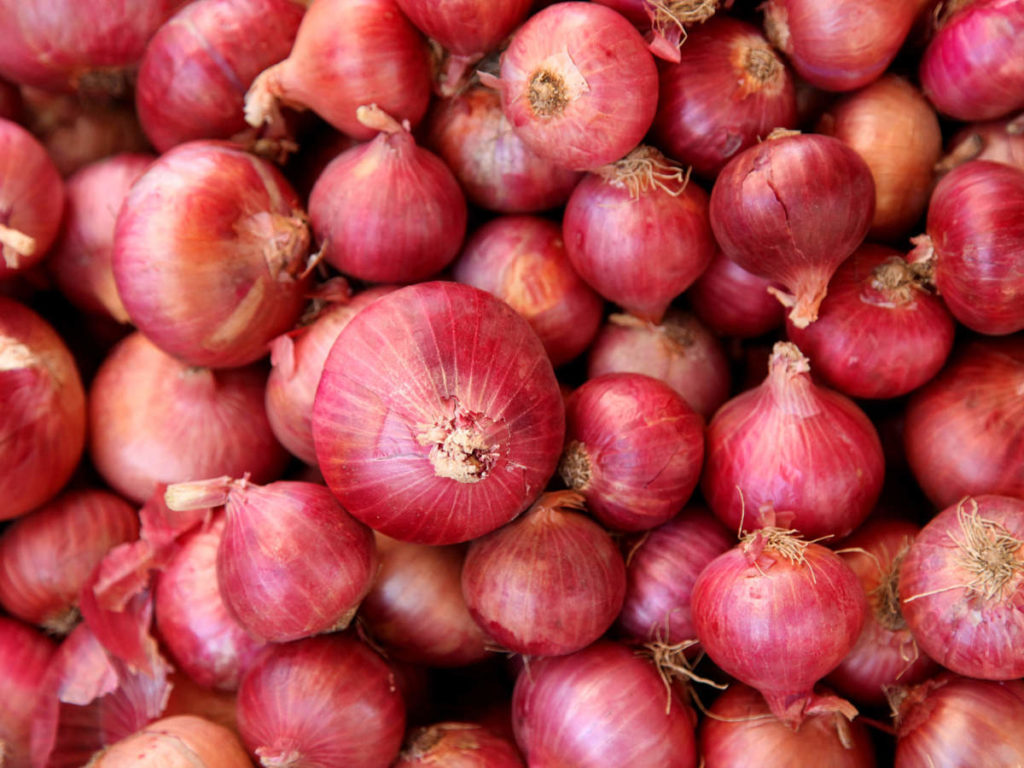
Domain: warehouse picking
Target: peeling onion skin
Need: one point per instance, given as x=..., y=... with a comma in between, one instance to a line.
x=457, y=745
x=181, y=741
x=24, y=656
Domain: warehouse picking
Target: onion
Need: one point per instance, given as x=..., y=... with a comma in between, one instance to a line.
x=839, y=45
x=886, y=654
x=292, y=563
x=1001, y=141
x=457, y=745
x=734, y=302
x=963, y=429
x=891, y=125
x=415, y=609
x=961, y=585
x=791, y=210
x=578, y=85
x=970, y=69
x=564, y=571
x=193, y=422
x=347, y=53
x=779, y=613
x=80, y=263
x=661, y=570
x=209, y=253
x=24, y=657
x=793, y=454
x=31, y=199
x=634, y=449
x=438, y=417
x=638, y=232
x=739, y=725
x=880, y=333
x=198, y=66
x=975, y=244
x=496, y=170
x=183, y=741
x=42, y=411
x=728, y=90
x=951, y=721
x=388, y=211
x=522, y=261
x=297, y=360
x=319, y=703
x=600, y=707
x=679, y=351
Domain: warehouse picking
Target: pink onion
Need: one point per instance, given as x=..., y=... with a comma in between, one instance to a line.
x=183, y=741
x=734, y=302
x=24, y=657
x=457, y=745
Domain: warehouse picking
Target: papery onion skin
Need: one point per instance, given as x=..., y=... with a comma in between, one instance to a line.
x=880, y=332
x=438, y=417
x=457, y=745
x=971, y=69
x=42, y=410
x=319, y=703
x=679, y=351
x=578, y=85
x=600, y=707
x=24, y=657
x=181, y=741
x=209, y=250
x=963, y=429
x=196, y=422
x=734, y=302
x=1001, y=141
x=197, y=67
x=522, y=261
x=792, y=453
x=728, y=90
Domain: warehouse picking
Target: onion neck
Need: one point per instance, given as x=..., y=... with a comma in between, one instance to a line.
x=776, y=26
x=789, y=380
x=282, y=239
x=61, y=624
x=461, y=445
x=645, y=169
x=285, y=754
x=808, y=291
x=203, y=494
x=896, y=281
x=885, y=597
x=988, y=552
x=555, y=84
x=759, y=69
x=14, y=245
x=553, y=504
x=574, y=467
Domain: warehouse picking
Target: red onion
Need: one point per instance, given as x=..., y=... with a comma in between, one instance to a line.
x=183, y=741
x=319, y=703
x=791, y=210
x=891, y=125
x=971, y=69
x=975, y=244
x=388, y=211
x=880, y=333
x=579, y=596
x=728, y=90
x=206, y=641
x=24, y=657
x=963, y=429
x=578, y=85
x=734, y=302
x=438, y=417
x=779, y=613
x=660, y=572
x=522, y=261
x=961, y=586
x=599, y=707
x=347, y=53
x=739, y=725
x=457, y=745
x=885, y=654
x=496, y=169
x=192, y=422
x=792, y=453
x=80, y=262
x=415, y=609
x=1001, y=141
x=679, y=351
x=638, y=232
x=292, y=563
x=31, y=199
x=839, y=45
x=209, y=253
x=297, y=361
x=634, y=449
x=197, y=67
x=951, y=721
x=42, y=411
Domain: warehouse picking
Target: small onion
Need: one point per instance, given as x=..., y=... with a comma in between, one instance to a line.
x=457, y=745
x=182, y=741
x=734, y=302
x=24, y=657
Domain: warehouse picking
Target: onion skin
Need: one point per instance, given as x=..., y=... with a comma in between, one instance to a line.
x=42, y=411
x=1001, y=141
x=600, y=707
x=728, y=89
x=457, y=745
x=734, y=302
x=963, y=429
x=880, y=332
x=195, y=423
x=209, y=248
x=429, y=398
x=182, y=741
x=24, y=657
x=522, y=261
x=321, y=702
